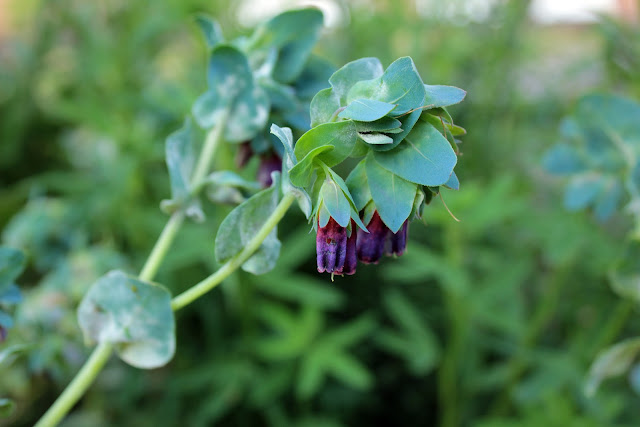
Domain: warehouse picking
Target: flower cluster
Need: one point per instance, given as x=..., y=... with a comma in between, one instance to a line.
x=404, y=141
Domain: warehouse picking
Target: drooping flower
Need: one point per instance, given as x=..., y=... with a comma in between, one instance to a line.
x=380, y=241
x=335, y=250
x=397, y=241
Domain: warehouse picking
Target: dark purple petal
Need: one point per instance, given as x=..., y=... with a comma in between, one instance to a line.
x=3, y=334
x=351, y=259
x=244, y=154
x=398, y=241
x=331, y=247
x=370, y=246
x=268, y=163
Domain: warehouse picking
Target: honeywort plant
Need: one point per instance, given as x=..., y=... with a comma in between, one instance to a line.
x=600, y=156
x=396, y=128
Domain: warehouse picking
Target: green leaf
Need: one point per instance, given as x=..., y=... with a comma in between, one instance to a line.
x=301, y=174
x=11, y=295
x=453, y=183
x=210, y=29
x=366, y=110
x=242, y=224
x=348, y=370
x=231, y=86
x=424, y=157
x=12, y=263
x=375, y=138
x=7, y=407
x=400, y=84
x=358, y=186
x=341, y=135
x=407, y=123
x=361, y=69
x=563, y=159
x=229, y=187
x=614, y=361
x=582, y=191
x=335, y=202
x=414, y=342
x=314, y=77
x=323, y=106
x=442, y=96
x=285, y=136
x=133, y=315
x=385, y=124
x=294, y=34
x=180, y=159
x=392, y=195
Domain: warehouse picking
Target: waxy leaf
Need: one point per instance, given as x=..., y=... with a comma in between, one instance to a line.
x=408, y=122
x=243, y=223
x=293, y=33
x=563, y=159
x=301, y=174
x=211, y=30
x=289, y=162
x=424, y=157
x=323, y=107
x=453, y=183
x=231, y=87
x=341, y=135
x=180, y=158
x=335, y=202
x=361, y=69
x=442, y=96
x=133, y=315
x=385, y=124
x=582, y=191
x=358, y=186
x=392, y=195
x=366, y=110
x=314, y=77
x=375, y=138
x=400, y=84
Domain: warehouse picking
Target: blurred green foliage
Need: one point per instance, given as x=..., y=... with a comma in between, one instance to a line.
x=489, y=322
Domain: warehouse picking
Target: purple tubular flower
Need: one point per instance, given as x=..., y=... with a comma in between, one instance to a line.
x=397, y=241
x=270, y=162
x=331, y=247
x=370, y=246
x=351, y=259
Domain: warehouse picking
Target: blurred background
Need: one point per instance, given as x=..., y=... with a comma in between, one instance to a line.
x=491, y=322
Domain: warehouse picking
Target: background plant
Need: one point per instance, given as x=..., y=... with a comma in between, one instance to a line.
x=512, y=304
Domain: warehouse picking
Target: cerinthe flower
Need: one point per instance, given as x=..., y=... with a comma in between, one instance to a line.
x=269, y=162
x=336, y=251
x=380, y=240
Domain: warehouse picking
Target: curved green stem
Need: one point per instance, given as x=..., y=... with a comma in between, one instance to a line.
x=78, y=386
x=196, y=291
x=100, y=355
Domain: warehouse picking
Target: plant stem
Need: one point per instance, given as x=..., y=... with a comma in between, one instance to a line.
x=161, y=247
x=196, y=291
x=100, y=355
x=78, y=386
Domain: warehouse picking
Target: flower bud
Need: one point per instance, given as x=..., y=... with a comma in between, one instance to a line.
x=370, y=246
x=331, y=247
x=397, y=241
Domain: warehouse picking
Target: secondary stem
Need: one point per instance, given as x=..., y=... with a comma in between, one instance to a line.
x=100, y=355
x=230, y=266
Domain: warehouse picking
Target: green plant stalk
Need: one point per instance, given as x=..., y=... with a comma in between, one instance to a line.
x=100, y=355
x=201, y=288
